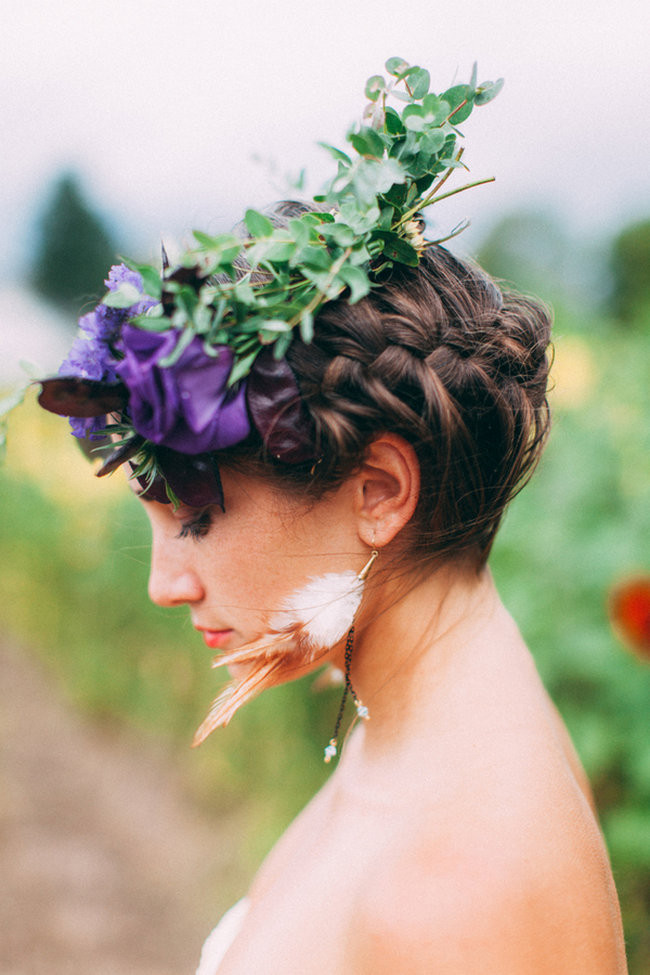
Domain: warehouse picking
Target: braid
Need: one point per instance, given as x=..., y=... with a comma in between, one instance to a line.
x=440, y=355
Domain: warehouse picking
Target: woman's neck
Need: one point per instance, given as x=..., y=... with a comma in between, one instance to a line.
x=416, y=642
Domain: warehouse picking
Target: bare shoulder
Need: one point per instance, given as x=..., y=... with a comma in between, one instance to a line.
x=507, y=903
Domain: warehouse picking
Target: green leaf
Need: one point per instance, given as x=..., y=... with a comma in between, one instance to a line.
x=394, y=124
x=455, y=97
x=307, y=326
x=281, y=346
x=414, y=122
x=242, y=367
x=150, y=323
x=274, y=249
x=398, y=249
x=434, y=109
x=205, y=240
x=361, y=221
x=340, y=233
x=150, y=277
x=419, y=83
x=257, y=224
x=487, y=91
x=433, y=141
x=396, y=66
x=374, y=87
x=184, y=340
x=336, y=153
x=244, y=293
x=367, y=142
x=356, y=280
x=300, y=232
x=313, y=257
x=125, y=296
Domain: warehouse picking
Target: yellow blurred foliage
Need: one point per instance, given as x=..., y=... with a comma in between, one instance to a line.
x=41, y=448
x=573, y=374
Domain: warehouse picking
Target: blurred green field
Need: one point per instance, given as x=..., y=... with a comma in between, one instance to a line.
x=73, y=570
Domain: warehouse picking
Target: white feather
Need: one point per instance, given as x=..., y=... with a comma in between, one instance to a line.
x=325, y=607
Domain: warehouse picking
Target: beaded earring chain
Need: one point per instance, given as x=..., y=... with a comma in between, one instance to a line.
x=331, y=750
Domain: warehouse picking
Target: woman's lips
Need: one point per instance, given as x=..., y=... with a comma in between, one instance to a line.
x=216, y=639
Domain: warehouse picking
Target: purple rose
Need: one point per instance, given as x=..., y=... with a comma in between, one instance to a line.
x=186, y=406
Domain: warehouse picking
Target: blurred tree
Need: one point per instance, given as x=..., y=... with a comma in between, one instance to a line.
x=530, y=250
x=74, y=248
x=630, y=268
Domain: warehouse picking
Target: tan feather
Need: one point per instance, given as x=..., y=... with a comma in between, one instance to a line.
x=273, y=658
x=313, y=619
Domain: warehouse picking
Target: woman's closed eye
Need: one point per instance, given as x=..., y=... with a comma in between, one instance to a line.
x=196, y=527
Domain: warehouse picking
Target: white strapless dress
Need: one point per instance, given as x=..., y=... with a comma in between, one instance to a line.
x=220, y=939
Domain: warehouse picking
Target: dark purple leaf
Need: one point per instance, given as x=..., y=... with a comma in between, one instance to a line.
x=120, y=456
x=155, y=491
x=277, y=410
x=72, y=396
x=194, y=478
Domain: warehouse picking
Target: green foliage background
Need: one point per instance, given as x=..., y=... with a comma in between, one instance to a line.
x=73, y=570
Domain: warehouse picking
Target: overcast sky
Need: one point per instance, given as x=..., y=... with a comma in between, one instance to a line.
x=163, y=106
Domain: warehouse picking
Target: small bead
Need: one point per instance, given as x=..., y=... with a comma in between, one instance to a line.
x=330, y=751
x=362, y=711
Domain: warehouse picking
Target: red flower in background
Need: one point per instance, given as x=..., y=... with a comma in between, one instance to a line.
x=629, y=611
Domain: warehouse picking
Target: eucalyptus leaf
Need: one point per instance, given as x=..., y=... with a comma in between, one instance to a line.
x=357, y=281
x=420, y=83
x=396, y=66
x=367, y=142
x=257, y=224
x=374, y=87
x=398, y=249
x=488, y=90
x=340, y=233
x=393, y=121
x=300, y=232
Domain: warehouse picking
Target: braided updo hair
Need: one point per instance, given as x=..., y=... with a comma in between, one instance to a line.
x=442, y=356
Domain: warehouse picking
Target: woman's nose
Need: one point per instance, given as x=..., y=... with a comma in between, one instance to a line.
x=171, y=581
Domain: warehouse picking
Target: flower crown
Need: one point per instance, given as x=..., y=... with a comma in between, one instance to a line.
x=174, y=366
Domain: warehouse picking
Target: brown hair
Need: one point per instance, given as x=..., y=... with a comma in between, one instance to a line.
x=442, y=356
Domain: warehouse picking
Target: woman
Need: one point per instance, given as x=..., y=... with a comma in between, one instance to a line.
x=335, y=504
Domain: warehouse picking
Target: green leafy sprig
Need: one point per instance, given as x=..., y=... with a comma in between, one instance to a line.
x=256, y=292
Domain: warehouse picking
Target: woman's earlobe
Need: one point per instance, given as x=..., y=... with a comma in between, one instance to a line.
x=389, y=488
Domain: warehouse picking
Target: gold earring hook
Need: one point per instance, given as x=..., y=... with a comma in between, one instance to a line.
x=363, y=575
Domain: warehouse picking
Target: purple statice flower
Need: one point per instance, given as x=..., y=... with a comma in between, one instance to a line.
x=102, y=323
x=83, y=361
x=91, y=355
x=186, y=406
x=120, y=274
x=90, y=427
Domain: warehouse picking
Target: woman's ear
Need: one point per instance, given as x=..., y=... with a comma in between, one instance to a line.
x=389, y=488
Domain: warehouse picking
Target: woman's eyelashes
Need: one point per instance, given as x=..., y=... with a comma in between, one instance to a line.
x=197, y=527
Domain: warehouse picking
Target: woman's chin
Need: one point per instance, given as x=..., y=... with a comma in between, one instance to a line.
x=240, y=671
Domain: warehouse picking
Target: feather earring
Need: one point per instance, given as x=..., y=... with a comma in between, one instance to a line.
x=312, y=620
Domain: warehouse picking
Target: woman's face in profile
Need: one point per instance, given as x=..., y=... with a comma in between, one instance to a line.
x=235, y=570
